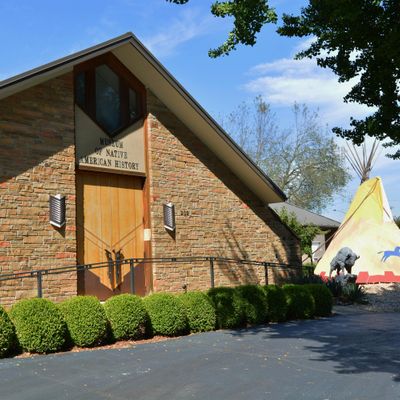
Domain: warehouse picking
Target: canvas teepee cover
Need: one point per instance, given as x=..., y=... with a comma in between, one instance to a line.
x=369, y=230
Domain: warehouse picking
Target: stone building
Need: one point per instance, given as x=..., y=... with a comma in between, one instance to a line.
x=112, y=134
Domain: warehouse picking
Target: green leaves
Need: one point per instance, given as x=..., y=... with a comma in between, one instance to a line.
x=127, y=315
x=167, y=314
x=39, y=325
x=358, y=38
x=305, y=233
x=304, y=161
x=8, y=338
x=249, y=16
x=86, y=320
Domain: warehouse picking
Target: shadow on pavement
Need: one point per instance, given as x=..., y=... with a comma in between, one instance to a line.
x=356, y=343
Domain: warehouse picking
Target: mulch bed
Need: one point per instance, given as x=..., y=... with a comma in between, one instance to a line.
x=122, y=344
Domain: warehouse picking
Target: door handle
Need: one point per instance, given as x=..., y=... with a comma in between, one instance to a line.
x=110, y=262
x=118, y=259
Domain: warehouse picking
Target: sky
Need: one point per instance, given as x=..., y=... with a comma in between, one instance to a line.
x=36, y=32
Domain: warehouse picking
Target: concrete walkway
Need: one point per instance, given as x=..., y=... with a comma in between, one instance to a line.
x=348, y=356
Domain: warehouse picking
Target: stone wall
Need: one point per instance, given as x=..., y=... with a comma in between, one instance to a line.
x=216, y=215
x=36, y=160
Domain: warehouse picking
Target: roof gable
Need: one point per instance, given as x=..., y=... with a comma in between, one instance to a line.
x=133, y=54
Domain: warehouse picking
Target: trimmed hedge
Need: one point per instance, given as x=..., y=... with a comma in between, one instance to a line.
x=254, y=303
x=167, y=314
x=8, y=338
x=86, y=320
x=276, y=303
x=228, y=307
x=127, y=315
x=301, y=304
x=39, y=325
x=323, y=299
x=200, y=311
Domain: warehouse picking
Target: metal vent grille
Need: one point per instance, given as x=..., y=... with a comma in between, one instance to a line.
x=169, y=216
x=57, y=210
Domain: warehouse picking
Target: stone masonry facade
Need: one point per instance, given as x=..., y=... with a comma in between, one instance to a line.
x=37, y=159
x=216, y=215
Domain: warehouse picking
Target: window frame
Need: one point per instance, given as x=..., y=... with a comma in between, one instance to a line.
x=126, y=81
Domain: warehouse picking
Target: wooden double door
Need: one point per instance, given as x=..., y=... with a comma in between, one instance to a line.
x=110, y=225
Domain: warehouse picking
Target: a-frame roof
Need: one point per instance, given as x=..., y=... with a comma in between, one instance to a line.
x=133, y=54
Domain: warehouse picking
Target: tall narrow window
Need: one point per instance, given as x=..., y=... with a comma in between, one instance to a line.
x=108, y=96
x=80, y=89
x=108, y=99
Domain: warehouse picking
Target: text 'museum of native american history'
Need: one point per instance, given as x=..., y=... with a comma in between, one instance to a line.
x=114, y=135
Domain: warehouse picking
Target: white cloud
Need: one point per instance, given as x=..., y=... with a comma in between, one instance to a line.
x=188, y=26
x=285, y=81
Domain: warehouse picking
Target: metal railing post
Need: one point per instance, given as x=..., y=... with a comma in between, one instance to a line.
x=266, y=273
x=132, y=275
x=39, y=284
x=212, y=271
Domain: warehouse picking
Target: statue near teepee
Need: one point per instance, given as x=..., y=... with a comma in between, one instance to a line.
x=368, y=229
x=343, y=261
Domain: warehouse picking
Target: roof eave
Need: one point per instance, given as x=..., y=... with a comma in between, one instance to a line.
x=65, y=64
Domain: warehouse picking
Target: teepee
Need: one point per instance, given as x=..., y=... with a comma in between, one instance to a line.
x=368, y=228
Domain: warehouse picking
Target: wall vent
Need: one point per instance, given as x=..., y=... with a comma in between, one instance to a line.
x=57, y=210
x=169, y=216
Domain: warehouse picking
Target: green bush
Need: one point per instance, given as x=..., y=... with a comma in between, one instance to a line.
x=8, y=338
x=308, y=269
x=276, y=303
x=254, y=303
x=200, y=311
x=39, y=325
x=167, y=314
x=127, y=315
x=334, y=287
x=300, y=302
x=86, y=320
x=353, y=293
x=323, y=299
x=228, y=307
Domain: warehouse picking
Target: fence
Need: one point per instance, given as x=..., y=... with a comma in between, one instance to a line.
x=132, y=262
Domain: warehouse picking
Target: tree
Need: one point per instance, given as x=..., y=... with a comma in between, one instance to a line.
x=356, y=39
x=249, y=16
x=304, y=161
x=306, y=233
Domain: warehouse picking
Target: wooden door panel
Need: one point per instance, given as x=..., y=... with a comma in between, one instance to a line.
x=110, y=220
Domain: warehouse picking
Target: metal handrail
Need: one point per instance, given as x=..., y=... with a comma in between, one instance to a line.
x=39, y=273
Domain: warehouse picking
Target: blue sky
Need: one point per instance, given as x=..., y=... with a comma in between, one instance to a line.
x=36, y=32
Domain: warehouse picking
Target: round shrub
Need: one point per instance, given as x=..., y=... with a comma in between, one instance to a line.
x=300, y=303
x=276, y=303
x=127, y=315
x=200, y=311
x=7, y=334
x=86, y=320
x=39, y=325
x=228, y=307
x=167, y=314
x=323, y=299
x=254, y=303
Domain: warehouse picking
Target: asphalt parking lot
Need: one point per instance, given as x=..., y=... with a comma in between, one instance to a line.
x=348, y=356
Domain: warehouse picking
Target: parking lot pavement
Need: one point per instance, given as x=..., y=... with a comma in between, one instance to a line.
x=348, y=356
